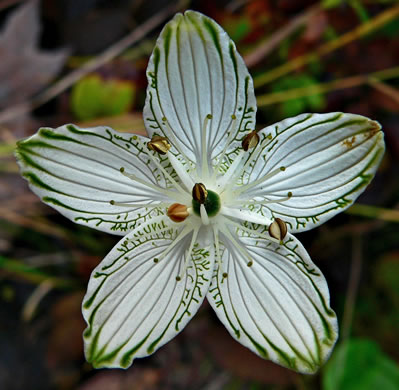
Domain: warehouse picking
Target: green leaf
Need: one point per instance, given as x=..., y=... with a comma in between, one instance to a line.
x=331, y=3
x=117, y=97
x=86, y=98
x=360, y=365
x=294, y=107
x=93, y=97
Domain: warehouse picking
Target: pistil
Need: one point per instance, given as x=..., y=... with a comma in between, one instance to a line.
x=204, y=215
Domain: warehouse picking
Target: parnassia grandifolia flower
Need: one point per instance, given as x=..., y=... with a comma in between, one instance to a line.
x=207, y=206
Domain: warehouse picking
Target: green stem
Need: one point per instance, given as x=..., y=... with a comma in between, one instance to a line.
x=33, y=275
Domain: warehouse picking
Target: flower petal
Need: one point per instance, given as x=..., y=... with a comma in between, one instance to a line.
x=134, y=304
x=279, y=306
x=77, y=171
x=195, y=71
x=328, y=160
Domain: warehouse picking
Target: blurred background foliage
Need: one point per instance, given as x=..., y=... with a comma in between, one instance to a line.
x=84, y=62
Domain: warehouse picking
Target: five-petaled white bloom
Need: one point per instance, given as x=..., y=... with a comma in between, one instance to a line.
x=207, y=207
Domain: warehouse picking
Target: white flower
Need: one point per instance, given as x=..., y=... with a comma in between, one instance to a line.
x=225, y=184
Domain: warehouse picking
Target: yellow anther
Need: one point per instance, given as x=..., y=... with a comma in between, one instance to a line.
x=159, y=144
x=250, y=140
x=177, y=212
x=200, y=193
x=278, y=229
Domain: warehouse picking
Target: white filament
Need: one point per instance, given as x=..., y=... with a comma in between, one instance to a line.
x=163, y=170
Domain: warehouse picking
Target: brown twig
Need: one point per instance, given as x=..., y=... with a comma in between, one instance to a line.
x=348, y=82
x=388, y=90
x=110, y=53
x=38, y=225
x=8, y=3
x=380, y=20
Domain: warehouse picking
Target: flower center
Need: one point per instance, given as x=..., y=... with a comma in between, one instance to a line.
x=212, y=204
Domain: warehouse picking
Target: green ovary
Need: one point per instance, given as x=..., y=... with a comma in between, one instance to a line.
x=212, y=204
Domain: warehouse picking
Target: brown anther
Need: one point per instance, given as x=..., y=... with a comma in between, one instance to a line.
x=250, y=140
x=278, y=229
x=200, y=193
x=177, y=212
x=159, y=144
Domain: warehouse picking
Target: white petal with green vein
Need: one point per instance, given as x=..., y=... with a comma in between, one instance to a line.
x=228, y=240
x=278, y=307
x=77, y=171
x=328, y=158
x=134, y=304
x=195, y=71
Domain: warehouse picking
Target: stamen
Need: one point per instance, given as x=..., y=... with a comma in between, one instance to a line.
x=161, y=168
x=278, y=229
x=204, y=162
x=253, y=232
x=239, y=168
x=250, y=140
x=199, y=193
x=254, y=155
x=259, y=181
x=171, y=194
x=177, y=212
x=204, y=215
x=158, y=144
x=187, y=257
